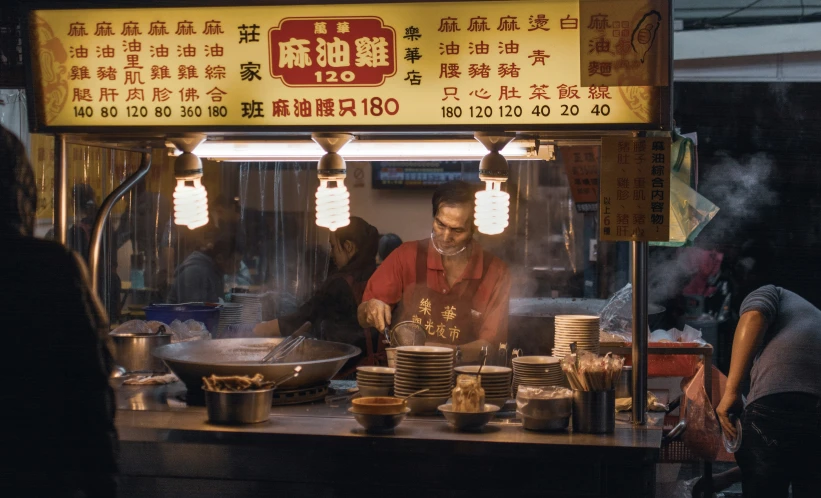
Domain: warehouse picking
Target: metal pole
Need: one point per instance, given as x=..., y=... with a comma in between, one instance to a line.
x=60, y=190
x=639, y=274
x=102, y=217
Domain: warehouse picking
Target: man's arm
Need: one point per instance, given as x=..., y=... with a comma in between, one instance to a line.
x=385, y=289
x=749, y=335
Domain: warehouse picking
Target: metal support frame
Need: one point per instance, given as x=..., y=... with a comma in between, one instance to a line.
x=639, y=277
x=60, y=190
x=105, y=210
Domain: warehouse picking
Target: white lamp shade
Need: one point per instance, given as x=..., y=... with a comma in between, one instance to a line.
x=332, y=205
x=190, y=204
x=492, y=206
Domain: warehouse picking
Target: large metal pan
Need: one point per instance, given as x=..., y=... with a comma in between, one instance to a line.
x=191, y=361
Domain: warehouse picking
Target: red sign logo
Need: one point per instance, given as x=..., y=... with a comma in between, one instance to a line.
x=332, y=51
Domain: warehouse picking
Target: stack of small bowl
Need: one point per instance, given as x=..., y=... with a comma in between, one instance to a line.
x=424, y=367
x=375, y=381
x=581, y=329
x=537, y=371
x=495, y=382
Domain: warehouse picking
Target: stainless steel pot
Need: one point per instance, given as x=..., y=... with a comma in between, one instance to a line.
x=133, y=352
x=238, y=407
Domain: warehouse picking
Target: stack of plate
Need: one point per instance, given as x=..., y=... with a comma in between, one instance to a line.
x=537, y=371
x=495, y=382
x=581, y=329
x=375, y=381
x=424, y=367
x=251, y=307
x=230, y=314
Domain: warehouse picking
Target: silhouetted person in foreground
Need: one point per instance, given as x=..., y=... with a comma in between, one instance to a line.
x=57, y=411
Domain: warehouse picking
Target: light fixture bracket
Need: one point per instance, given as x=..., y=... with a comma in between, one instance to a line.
x=493, y=166
x=331, y=166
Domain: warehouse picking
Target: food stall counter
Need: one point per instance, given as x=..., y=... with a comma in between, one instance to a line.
x=318, y=449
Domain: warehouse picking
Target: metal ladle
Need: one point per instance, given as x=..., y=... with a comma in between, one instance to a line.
x=288, y=377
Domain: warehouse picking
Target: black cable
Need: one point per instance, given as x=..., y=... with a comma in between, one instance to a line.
x=742, y=9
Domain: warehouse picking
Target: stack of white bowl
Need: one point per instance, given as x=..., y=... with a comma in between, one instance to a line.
x=537, y=371
x=424, y=367
x=230, y=314
x=495, y=382
x=375, y=381
x=251, y=307
x=581, y=329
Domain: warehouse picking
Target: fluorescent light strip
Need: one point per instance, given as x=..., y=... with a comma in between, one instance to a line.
x=360, y=151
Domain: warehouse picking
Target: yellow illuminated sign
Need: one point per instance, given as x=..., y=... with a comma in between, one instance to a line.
x=469, y=65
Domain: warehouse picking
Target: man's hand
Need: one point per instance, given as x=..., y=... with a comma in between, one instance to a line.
x=374, y=313
x=731, y=404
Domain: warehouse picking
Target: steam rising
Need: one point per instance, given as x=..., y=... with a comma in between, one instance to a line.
x=741, y=190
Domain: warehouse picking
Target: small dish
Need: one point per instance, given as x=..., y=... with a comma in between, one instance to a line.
x=379, y=423
x=378, y=405
x=468, y=421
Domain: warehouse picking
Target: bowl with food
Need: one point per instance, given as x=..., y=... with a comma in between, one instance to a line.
x=378, y=422
x=468, y=421
x=378, y=405
x=240, y=399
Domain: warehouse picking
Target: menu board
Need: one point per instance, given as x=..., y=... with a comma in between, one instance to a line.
x=635, y=189
x=460, y=65
x=581, y=163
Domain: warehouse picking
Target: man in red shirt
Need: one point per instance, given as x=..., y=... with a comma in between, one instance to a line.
x=449, y=285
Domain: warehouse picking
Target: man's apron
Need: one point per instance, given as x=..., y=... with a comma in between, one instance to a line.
x=446, y=318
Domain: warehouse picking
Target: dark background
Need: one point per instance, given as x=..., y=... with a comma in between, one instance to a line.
x=782, y=121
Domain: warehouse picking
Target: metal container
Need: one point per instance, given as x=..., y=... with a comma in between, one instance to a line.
x=238, y=407
x=543, y=414
x=594, y=412
x=193, y=360
x=133, y=352
x=624, y=389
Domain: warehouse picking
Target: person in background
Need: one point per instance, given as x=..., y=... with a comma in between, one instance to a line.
x=778, y=343
x=387, y=244
x=332, y=309
x=58, y=407
x=455, y=290
x=201, y=277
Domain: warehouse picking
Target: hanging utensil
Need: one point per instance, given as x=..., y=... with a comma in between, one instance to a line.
x=288, y=345
x=483, y=360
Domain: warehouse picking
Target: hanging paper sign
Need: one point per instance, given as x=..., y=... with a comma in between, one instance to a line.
x=635, y=189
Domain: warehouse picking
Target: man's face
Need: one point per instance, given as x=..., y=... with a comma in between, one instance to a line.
x=452, y=229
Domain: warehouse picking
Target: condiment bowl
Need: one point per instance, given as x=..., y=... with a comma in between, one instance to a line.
x=468, y=421
x=379, y=422
x=238, y=407
x=378, y=405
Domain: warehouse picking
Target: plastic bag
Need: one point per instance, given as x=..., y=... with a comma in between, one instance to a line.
x=190, y=330
x=703, y=433
x=689, y=214
x=138, y=327
x=616, y=318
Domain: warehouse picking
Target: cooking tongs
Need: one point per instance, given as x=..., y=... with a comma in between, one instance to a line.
x=288, y=345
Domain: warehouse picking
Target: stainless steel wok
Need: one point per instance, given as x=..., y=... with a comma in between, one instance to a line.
x=191, y=361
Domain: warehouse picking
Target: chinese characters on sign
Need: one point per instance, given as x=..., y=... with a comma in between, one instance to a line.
x=388, y=65
x=624, y=46
x=635, y=189
x=581, y=163
x=332, y=52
